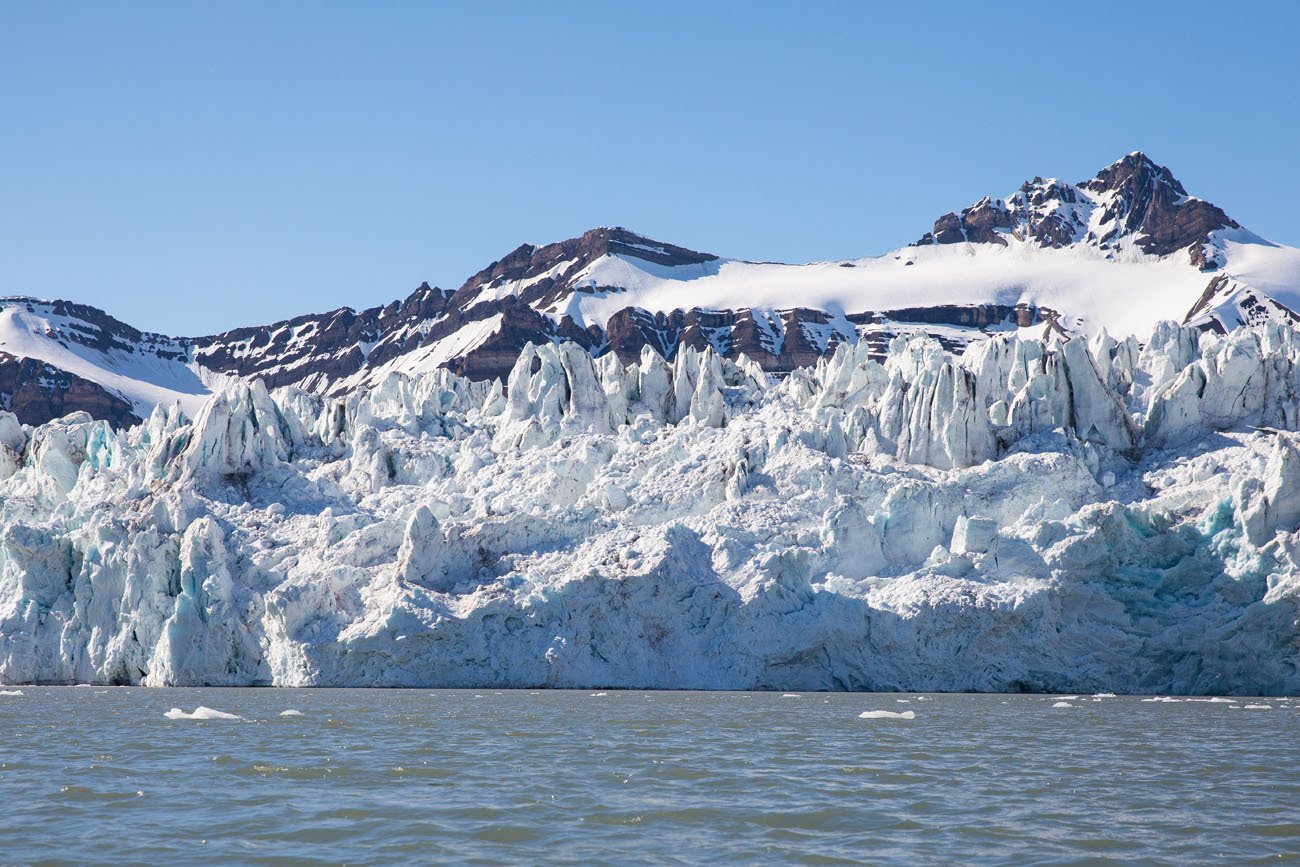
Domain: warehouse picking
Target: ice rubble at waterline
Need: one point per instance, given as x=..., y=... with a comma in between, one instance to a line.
x=1078, y=516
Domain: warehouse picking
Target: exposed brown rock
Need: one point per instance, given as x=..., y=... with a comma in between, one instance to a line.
x=1140, y=200
x=1152, y=205
x=37, y=392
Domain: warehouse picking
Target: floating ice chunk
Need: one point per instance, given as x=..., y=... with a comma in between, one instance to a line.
x=597, y=694
x=1258, y=707
x=200, y=712
x=1104, y=695
x=887, y=714
x=1062, y=704
x=1164, y=699
x=1066, y=698
x=11, y=692
x=290, y=712
x=791, y=695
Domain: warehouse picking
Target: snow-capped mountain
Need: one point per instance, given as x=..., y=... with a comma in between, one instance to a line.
x=58, y=357
x=1120, y=252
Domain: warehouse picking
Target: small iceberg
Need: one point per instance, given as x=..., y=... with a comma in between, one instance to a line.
x=11, y=692
x=200, y=712
x=887, y=714
x=791, y=695
x=1062, y=704
x=290, y=712
x=1104, y=695
x=597, y=694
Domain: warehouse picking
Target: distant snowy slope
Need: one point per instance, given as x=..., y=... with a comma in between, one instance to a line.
x=1126, y=297
x=1119, y=252
x=142, y=370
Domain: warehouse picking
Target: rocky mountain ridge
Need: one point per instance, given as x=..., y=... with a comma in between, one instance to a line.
x=1132, y=201
x=1119, y=252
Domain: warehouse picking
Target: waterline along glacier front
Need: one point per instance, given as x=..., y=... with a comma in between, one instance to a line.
x=1066, y=513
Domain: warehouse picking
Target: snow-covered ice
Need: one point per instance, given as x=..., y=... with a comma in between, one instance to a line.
x=887, y=714
x=1070, y=516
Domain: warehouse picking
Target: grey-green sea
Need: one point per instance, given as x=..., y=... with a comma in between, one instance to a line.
x=100, y=775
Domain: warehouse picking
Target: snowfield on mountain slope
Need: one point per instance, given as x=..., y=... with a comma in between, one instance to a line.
x=1125, y=293
x=1069, y=517
x=143, y=379
x=1273, y=269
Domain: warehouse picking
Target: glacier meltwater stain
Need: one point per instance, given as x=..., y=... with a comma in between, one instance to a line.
x=376, y=776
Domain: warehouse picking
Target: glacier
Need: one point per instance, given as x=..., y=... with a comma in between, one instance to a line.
x=1060, y=515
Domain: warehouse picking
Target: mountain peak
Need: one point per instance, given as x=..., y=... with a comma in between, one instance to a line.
x=1134, y=202
x=1131, y=172
x=617, y=240
x=551, y=263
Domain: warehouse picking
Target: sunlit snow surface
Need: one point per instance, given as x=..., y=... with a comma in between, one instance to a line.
x=1079, y=517
x=142, y=376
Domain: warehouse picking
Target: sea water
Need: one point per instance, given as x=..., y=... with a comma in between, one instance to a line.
x=92, y=774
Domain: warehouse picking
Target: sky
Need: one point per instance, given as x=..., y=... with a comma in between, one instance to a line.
x=193, y=167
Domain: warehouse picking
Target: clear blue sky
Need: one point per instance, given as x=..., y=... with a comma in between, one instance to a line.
x=191, y=167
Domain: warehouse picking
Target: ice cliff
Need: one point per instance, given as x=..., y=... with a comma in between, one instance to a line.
x=1078, y=515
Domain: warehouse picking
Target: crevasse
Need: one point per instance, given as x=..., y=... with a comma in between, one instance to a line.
x=1077, y=515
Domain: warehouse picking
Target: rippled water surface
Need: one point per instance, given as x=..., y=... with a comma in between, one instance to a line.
x=367, y=776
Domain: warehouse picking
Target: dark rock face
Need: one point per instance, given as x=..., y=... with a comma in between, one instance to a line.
x=777, y=343
x=95, y=329
x=37, y=392
x=1216, y=286
x=978, y=224
x=318, y=350
x=1137, y=199
x=1047, y=211
x=1149, y=203
x=320, y=347
x=1244, y=303
x=528, y=262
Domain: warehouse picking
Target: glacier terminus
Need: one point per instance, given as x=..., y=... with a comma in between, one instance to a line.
x=1084, y=514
